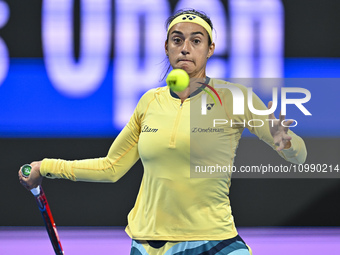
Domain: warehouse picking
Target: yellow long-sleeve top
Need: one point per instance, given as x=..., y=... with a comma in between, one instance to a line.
x=170, y=205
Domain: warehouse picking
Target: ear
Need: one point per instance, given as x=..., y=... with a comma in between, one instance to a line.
x=166, y=47
x=211, y=50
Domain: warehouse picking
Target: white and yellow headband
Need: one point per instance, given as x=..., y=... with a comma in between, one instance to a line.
x=193, y=19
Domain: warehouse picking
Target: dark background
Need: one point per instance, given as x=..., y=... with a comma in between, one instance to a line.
x=312, y=30
x=255, y=202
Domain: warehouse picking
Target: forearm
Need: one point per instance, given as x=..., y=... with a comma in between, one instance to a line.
x=92, y=170
x=294, y=150
x=122, y=155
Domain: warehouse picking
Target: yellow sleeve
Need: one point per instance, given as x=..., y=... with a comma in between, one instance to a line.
x=296, y=154
x=122, y=155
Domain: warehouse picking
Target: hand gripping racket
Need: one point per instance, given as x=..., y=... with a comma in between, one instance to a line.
x=44, y=208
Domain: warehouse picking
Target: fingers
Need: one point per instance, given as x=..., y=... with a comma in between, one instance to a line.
x=283, y=143
x=23, y=180
x=34, y=163
x=271, y=116
x=280, y=146
x=282, y=117
x=281, y=137
x=286, y=124
x=270, y=104
x=279, y=130
x=286, y=137
x=34, y=179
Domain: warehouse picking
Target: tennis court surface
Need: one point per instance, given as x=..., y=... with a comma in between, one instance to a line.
x=113, y=240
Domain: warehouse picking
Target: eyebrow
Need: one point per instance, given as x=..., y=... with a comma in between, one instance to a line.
x=193, y=33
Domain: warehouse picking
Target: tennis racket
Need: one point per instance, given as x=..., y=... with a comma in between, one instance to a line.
x=44, y=208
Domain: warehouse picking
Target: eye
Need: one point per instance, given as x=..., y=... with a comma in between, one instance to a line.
x=197, y=41
x=177, y=40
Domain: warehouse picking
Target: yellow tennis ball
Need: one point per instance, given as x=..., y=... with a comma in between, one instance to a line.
x=178, y=80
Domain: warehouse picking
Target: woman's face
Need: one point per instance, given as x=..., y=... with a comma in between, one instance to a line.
x=188, y=48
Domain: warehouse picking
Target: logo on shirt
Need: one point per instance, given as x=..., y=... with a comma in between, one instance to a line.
x=210, y=106
x=146, y=128
x=209, y=93
x=207, y=130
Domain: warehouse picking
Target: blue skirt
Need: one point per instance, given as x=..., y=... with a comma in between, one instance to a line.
x=233, y=246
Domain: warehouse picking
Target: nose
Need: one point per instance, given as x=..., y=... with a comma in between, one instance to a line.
x=186, y=48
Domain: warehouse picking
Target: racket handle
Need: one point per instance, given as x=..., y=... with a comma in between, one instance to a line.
x=26, y=171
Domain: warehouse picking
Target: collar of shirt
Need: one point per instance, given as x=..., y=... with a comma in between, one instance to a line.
x=197, y=91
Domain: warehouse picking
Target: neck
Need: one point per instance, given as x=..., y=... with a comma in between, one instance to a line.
x=199, y=75
x=193, y=85
x=184, y=94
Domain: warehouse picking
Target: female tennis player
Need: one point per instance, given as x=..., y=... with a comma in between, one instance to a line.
x=173, y=213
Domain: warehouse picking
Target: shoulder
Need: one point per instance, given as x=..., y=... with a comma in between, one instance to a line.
x=153, y=93
x=226, y=87
x=151, y=96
